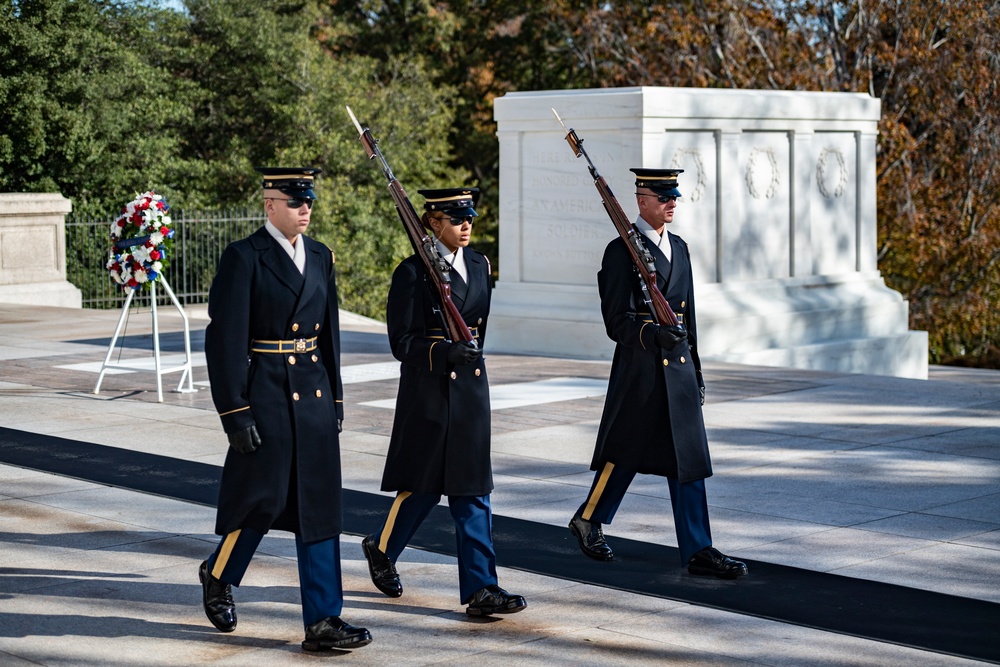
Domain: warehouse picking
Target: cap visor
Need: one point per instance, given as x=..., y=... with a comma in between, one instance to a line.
x=299, y=192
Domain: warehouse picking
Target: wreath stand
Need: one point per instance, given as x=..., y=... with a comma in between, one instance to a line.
x=159, y=368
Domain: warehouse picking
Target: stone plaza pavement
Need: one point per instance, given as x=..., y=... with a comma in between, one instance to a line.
x=873, y=478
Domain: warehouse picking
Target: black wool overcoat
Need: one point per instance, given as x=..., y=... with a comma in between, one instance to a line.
x=293, y=481
x=441, y=430
x=652, y=421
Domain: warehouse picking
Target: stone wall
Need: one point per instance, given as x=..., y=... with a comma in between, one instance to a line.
x=33, y=250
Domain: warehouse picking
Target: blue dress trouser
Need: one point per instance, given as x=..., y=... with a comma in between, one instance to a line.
x=477, y=560
x=320, y=582
x=688, y=499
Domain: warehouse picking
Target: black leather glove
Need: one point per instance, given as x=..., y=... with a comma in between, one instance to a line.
x=340, y=422
x=668, y=336
x=462, y=354
x=246, y=441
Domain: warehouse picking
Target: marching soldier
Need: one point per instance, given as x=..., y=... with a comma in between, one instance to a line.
x=652, y=421
x=273, y=351
x=440, y=442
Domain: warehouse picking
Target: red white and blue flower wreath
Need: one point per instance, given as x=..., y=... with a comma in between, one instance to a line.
x=141, y=239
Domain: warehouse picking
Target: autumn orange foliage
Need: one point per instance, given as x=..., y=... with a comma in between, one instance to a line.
x=934, y=64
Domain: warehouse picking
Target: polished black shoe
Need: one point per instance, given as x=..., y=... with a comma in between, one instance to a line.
x=332, y=633
x=494, y=600
x=591, y=538
x=711, y=561
x=381, y=569
x=217, y=598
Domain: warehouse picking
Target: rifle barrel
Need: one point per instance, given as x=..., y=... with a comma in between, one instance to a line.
x=659, y=305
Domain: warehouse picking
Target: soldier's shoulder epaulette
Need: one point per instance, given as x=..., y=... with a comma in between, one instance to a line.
x=319, y=246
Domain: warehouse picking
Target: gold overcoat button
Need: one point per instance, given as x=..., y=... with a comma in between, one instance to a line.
x=295, y=327
x=666, y=362
x=479, y=321
x=319, y=393
x=683, y=303
x=291, y=359
x=295, y=396
x=316, y=328
x=477, y=372
x=315, y=358
x=682, y=360
x=454, y=375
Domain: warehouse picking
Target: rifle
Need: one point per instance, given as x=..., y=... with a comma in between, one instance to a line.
x=437, y=268
x=641, y=257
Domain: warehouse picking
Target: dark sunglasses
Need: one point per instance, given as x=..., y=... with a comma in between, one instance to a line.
x=457, y=222
x=663, y=199
x=295, y=202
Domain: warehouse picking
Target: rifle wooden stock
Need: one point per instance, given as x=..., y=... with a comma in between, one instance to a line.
x=641, y=257
x=423, y=245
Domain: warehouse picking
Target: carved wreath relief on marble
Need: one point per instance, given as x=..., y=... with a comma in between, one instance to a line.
x=762, y=176
x=823, y=168
x=701, y=179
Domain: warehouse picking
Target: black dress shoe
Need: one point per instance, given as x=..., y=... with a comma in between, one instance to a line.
x=332, y=633
x=381, y=569
x=494, y=600
x=217, y=598
x=711, y=561
x=591, y=538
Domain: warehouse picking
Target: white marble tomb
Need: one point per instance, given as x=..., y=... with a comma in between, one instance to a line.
x=779, y=211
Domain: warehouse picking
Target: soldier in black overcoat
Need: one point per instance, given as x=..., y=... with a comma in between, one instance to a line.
x=273, y=352
x=440, y=443
x=652, y=421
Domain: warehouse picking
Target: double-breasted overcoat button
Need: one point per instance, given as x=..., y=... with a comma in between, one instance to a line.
x=454, y=375
x=319, y=393
x=666, y=362
x=291, y=359
x=682, y=360
x=295, y=327
x=315, y=358
x=295, y=396
x=477, y=372
x=316, y=328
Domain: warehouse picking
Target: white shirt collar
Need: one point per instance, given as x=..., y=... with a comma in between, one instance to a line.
x=456, y=259
x=296, y=252
x=660, y=241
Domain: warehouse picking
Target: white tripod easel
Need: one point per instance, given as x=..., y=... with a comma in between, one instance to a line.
x=159, y=368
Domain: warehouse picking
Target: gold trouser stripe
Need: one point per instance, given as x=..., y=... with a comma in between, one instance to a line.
x=224, y=553
x=588, y=511
x=390, y=520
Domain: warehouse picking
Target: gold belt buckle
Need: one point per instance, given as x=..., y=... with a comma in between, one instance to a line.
x=300, y=345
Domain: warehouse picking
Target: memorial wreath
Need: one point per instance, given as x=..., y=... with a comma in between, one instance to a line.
x=141, y=239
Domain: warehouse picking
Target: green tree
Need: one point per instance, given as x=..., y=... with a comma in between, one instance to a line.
x=86, y=108
x=101, y=100
x=480, y=50
x=274, y=96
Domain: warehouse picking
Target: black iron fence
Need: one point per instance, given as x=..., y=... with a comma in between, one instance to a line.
x=199, y=239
